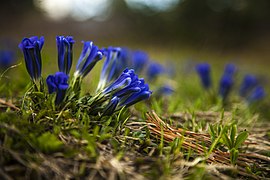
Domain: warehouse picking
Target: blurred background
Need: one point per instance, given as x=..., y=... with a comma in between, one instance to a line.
x=237, y=30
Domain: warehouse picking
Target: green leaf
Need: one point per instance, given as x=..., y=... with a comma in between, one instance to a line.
x=233, y=133
x=234, y=155
x=226, y=141
x=240, y=139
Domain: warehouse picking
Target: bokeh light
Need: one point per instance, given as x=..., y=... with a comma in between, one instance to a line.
x=79, y=10
x=155, y=5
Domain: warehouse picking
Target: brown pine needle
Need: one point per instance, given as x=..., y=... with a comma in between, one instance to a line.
x=9, y=104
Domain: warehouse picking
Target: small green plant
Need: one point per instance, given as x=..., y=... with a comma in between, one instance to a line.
x=233, y=141
x=227, y=135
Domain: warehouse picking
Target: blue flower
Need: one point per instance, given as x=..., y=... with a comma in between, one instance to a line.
x=135, y=97
x=248, y=83
x=58, y=83
x=139, y=60
x=7, y=58
x=109, y=69
x=230, y=69
x=31, y=48
x=225, y=86
x=124, y=80
x=153, y=70
x=89, y=57
x=64, y=46
x=204, y=72
x=257, y=94
x=129, y=88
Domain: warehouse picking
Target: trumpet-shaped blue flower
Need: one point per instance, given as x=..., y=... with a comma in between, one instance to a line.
x=124, y=80
x=248, y=83
x=31, y=48
x=135, y=97
x=204, y=72
x=139, y=60
x=225, y=86
x=153, y=70
x=109, y=69
x=89, y=57
x=58, y=83
x=64, y=46
x=257, y=94
x=129, y=88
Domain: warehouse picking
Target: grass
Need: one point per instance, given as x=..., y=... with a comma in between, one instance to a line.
x=191, y=134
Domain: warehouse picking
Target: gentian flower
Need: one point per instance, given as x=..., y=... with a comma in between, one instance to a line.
x=89, y=57
x=58, y=83
x=109, y=69
x=153, y=70
x=204, y=72
x=230, y=69
x=248, y=83
x=129, y=88
x=7, y=58
x=139, y=60
x=125, y=79
x=257, y=94
x=64, y=46
x=225, y=86
x=31, y=48
x=135, y=97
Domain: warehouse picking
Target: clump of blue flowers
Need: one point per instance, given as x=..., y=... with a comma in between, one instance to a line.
x=249, y=89
x=118, y=87
x=126, y=90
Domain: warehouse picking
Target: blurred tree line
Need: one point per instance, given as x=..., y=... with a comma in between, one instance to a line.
x=233, y=22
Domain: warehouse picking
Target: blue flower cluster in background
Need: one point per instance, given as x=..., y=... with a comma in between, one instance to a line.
x=248, y=83
x=250, y=89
